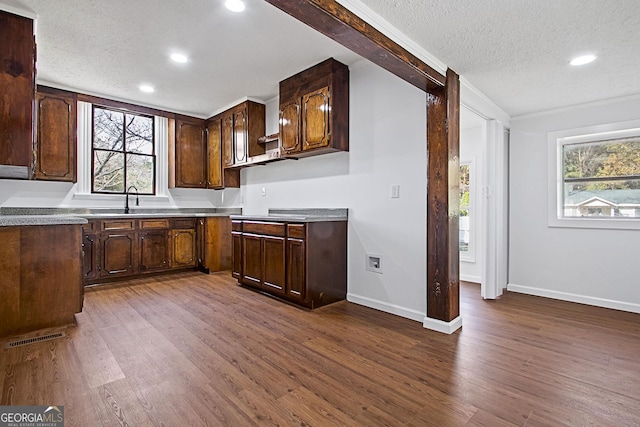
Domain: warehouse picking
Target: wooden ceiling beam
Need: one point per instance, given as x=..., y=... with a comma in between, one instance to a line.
x=340, y=24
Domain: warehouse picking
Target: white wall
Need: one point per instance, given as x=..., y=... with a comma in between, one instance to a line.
x=16, y=193
x=387, y=147
x=471, y=144
x=592, y=266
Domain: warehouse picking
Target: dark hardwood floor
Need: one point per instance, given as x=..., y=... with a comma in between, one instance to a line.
x=194, y=350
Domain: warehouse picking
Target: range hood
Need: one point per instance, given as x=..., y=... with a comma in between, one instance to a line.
x=14, y=172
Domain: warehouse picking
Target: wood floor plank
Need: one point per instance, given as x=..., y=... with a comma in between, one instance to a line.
x=196, y=349
x=98, y=364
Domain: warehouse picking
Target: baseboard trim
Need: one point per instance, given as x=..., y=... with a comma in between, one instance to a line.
x=472, y=279
x=581, y=299
x=386, y=307
x=442, y=326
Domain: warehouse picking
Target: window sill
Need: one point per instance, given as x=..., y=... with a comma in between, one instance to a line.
x=116, y=197
x=597, y=223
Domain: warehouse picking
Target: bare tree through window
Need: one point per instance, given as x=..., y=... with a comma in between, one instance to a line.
x=123, y=151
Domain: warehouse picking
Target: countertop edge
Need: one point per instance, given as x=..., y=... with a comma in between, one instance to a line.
x=23, y=220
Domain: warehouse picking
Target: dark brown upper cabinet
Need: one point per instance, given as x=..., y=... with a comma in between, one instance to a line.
x=191, y=153
x=55, y=148
x=242, y=125
x=217, y=176
x=314, y=110
x=17, y=90
x=214, y=153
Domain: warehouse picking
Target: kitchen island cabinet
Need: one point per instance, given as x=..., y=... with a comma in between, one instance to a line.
x=302, y=260
x=40, y=274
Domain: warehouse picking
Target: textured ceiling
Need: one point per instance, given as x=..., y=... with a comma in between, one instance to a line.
x=516, y=52
x=111, y=47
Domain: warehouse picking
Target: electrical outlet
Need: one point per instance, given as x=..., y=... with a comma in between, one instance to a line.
x=395, y=191
x=374, y=263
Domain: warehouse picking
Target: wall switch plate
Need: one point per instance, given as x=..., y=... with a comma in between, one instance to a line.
x=374, y=263
x=264, y=192
x=395, y=191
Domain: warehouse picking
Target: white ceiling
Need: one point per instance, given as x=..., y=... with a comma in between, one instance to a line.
x=516, y=52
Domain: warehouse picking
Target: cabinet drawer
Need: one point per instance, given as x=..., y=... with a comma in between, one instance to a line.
x=295, y=230
x=236, y=225
x=269, y=228
x=153, y=223
x=184, y=223
x=119, y=224
x=90, y=226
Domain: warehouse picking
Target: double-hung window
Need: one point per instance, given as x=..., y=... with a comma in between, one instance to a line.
x=123, y=152
x=597, y=177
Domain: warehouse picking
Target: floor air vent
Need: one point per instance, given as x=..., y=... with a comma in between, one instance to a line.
x=26, y=341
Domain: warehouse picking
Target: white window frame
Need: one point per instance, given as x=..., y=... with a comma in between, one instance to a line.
x=556, y=142
x=83, y=189
x=470, y=255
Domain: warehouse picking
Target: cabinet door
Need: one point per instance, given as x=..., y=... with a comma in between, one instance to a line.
x=296, y=268
x=251, y=259
x=226, y=134
x=290, y=128
x=17, y=87
x=214, y=154
x=201, y=246
x=154, y=250
x=190, y=154
x=273, y=264
x=56, y=137
x=118, y=253
x=183, y=248
x=315, y=119
x=240, y=135
x=236, y=255
x=89, y=256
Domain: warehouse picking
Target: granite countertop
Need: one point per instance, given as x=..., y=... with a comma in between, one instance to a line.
x=19, y=220
x=297, y=215
x=57, y=216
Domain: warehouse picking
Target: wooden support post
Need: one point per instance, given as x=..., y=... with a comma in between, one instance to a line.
x=443, y=142
x=443, y=134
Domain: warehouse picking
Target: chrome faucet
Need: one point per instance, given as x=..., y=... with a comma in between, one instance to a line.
x=126, y=200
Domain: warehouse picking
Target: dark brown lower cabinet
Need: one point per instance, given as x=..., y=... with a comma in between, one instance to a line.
x=183, y=248
x=154, y=250
x=121, y=248
x=214, y=244
x=263, y=262
x=252, y=259
x=305, y=263
x=296, y=269
x=89, y=255
x=274, y=259
x=40, y=277
x=236, y=249
x=119, y=251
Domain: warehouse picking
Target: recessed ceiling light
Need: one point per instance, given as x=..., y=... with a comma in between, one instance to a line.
x=147, y=88
x=234, y=5
x=582, y=60
x=178, y=57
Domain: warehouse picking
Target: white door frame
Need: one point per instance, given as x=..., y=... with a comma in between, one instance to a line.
x=495, y=210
